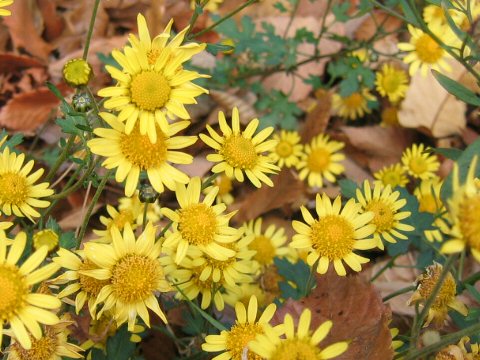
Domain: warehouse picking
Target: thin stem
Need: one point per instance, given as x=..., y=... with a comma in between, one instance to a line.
x=292, y=17
x=195, y=15
x=388, y=265
x=60, y=159
x=90, y=29
x=311, y=278
x=145, y=210
x=399, y=292
x=460, y=266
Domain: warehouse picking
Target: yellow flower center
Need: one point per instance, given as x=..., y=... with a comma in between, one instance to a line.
x=198, y=224
x=238, y=338
x=239, y=152
x=391, y=82
x=428, y=203
x=332, y=237
x=447, y=292
x=353, y=101
x=418, y=165
x=284, y=149
x=468, y=218
x=90, y=285
x=124, y=217
x=383, y=215
x=46, y=237
x=13, y=188
x=265, y=249
x=224, y=185
x=392, y=178
x=150, y=90
x=296, y=349
x=428, y=51
x=44, y=348
x=138, y=149
x=14, y=292
x=318, y=160
x=134, y=278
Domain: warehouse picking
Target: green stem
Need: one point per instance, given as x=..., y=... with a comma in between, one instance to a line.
x=292, y=17
x=460, y=266
x=195, y=15
x=145, y=210
x=311, y=277
x=399, y=292
x=388, y=265
x=60, y=159
x=90, y=29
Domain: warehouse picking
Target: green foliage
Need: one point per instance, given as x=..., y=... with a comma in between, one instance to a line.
x=279, y=110
x=457, y=89
x=67, y=240
x=12, y=141
x=348, y=188
x=340, y=10
x=297, y=274
x=449, y=153
x=352, y=73
x=119, y=346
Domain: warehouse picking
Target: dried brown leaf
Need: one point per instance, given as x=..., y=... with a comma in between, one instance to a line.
x=54, y=24
x=10, y=63
x=377, y=21
x=317, y=119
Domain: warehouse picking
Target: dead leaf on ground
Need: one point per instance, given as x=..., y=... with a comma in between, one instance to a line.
x=317, y=119
x=54, y=23
x=10, y=63
x=377, y=21
x=244, y=104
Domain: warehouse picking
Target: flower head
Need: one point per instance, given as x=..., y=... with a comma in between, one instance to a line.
x=288, y=150
x=335, y=235
x=47, y=237
x=353, y=106
x=393, y=175
x=3, y=3
x=77, y=72
x=391, y=82
x=225, y=188
x=419, y=163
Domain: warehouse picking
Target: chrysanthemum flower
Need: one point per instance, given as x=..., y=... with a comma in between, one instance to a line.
x=87, y=288
x=133, y=152
x=424, y=52
x=118, y=218
x=52, y=345
x=419, y=163
x=134, y=274
x=299, y=344
x=321, y=160
x=152, y=84
x=20, y=307
x=393, y=175
x=136, y=206
x=233, y=343
x=391, y=82
x=212, y=5
x=353, y=106
x=47, y=237
x=288, y=150
x=445, y=298
x=3, y=3
x=434, y=15
x=18, y=192
x=200, y=223
x=245, y=292
x=335, y=235
x=225, y=187
x=464, y=212
x=240, y=152
x=386, y=207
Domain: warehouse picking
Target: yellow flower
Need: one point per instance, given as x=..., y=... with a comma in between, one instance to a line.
x=353, y=106
x=77, y=72
x=117, y=218
x=424, y=52
x=386, y=207
x=464, y=212
x=53, y=345
x=288, y=151
x=87, y=288
x=18, y=192
x=393, y=175
x=3, y=3
x=435, y=15
x=335, y=235
x=233, y=343
x=212, y=5
x=396, y=344
x=299, y=344
x=20, y=307
x=152, y=84
x=225, y=187
x=47, y=237
x=445, y=298
x=136, y=206
x=240, y=152
x=391, y=82
x=419, y=163
x=132, y=153
x=134, y=274
x=321, y=160
x=245, y=291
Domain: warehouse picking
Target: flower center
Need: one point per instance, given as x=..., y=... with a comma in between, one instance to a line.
x=428, y=51
x=46, y=237
x=265, y=249
x=124, y=217
x=318, y=160
x=224, y=185
x=284, y=149
x=149, y=90
x=391, y=82
x=383, y=215
x=42, y=349
x=89, y=284
x=332, y=236
x=13, y=188
x=447, y=292
x=418, y=165
x=138, y=149
x=298, y=349
x=353, y=101
x=14, y=292
x=468, y=217
x=134, y=278
x=238, y=338
x=198, y=224
x=391, y=178
x=239, y=152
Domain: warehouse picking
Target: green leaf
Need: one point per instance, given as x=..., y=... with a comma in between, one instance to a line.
x=119, y=346
x=297, y=274
x=68, y=240
x=348, y=188
x=457, y=89
x=409, y=13
x=449, y=153
x=340, y=11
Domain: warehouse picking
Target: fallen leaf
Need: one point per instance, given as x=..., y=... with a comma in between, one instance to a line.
x=10, y=63
x=317, y=119
x=375, y=22
x=54, y=24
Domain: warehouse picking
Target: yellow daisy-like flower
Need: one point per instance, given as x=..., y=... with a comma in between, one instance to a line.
x=133, y=152
x=424, y=53
x=47, y=237
x=87, y=288
x=386, y=207
x=240, y=152
x=136, y=206
x=53, y=345
x=391, y=82
x=445, y=298
x=233, y=343
x=267, y=244
x=116, y=218
x=132, y=268
x=3, y=3
x=435, y=15
x=246, y=291
x=335, y=235
x=464, y=212
x=321, y=160
x=18, y=192
x=200, y=224
x=353, y=106
x=393, y=175
x=212, y=5
x=20, y=307
x=288, y=150
x=152, y=84
x=225, y=188
x=77, y=72
x=300, y=344
x=419, y=163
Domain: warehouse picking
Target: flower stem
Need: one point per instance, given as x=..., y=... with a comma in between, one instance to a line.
x=60, y=159
x=90, y=29
x=399, y=292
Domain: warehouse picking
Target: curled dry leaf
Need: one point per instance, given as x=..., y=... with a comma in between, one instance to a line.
x=11, y=63
x=317, y=118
